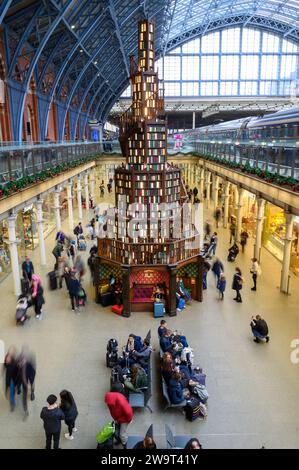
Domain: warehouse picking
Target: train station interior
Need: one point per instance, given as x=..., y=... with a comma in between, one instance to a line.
x=149, y=171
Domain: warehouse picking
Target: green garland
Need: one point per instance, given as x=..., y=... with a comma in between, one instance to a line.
x=273, y=178
x=14, y=186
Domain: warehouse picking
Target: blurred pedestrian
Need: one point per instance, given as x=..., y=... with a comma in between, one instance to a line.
x=217, y=216
x=10, y=370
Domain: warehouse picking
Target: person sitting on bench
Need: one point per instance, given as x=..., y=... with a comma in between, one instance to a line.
x=259, y=329
x=165, y=341
x=143, y=355
x=184, y=292
x=175, y=389
x=138, y=379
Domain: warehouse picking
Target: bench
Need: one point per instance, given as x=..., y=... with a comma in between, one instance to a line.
x=140, y=400
x=172, y=441
x=133, y=440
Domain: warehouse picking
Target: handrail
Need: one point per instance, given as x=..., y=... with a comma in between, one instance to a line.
x=31, y=145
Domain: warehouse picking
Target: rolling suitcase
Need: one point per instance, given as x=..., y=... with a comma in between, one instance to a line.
x=52, y=280
x=158, y=309
x=192, y=409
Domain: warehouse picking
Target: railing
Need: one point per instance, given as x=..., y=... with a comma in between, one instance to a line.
x=47, y=143
x=277, y=159
x=168, y=252
x=15, y=163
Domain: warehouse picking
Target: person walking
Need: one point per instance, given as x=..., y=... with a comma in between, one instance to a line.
x=217, y=216
x=79, y=266
x=213, y=243
x=60, y=271
x=217, y=269
x=57, y=252
x=232, y=229
x=243, y=239
x=25, y=374
x=102, y=188
x=221, y=285
x=73, y=250
x=121, y=412
x=73, y=288
x=52, y=416
x=78, y=230
x=238, y=284
x=27, y=269
x=10, y=370
x=69, y=408
x=37, y=295
x=255, y=271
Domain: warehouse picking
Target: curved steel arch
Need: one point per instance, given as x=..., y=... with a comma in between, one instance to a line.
x=4, y=7
x=20, y=109
x=105, y=79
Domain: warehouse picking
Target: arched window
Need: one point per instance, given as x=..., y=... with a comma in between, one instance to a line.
x=231, y=62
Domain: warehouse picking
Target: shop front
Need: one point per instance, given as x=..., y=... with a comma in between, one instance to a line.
x=274, y=230
x=5, y=267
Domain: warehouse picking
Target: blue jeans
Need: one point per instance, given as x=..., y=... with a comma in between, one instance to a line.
x=204, y=280
x=12, y=399
x=186, y=294
x=256, y=334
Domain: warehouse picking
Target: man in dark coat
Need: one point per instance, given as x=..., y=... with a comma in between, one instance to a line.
x=259, y=329
x=52, y=417
x=27, y=269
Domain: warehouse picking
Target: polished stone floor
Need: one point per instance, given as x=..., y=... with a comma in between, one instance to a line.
x=253, y=388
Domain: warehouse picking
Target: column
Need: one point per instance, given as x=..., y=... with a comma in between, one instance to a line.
x=41, y=238
x=208, y=188
x=193, y=119
x=126, y=291
x=201, y=184
x=172, y=290
x=86, y=191
x=259, y=228
x=226, y=204
x=239, y=214
x=287, y=252
x=79, y=197
x=57, y=208
x=13, y=249
x=216, y=191
x=92, y=186
x=70, y=205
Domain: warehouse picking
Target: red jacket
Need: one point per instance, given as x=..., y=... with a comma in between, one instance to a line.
x=120, y=410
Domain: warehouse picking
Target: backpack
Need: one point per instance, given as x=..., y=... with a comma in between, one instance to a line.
x=105, y=433
x=138, y=343
x=112, y=345
x=201, y=392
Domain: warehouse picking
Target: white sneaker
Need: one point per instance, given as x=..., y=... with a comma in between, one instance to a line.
x=179, y=310
x=75, y=429
x=37, y=317
x=67, y=436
